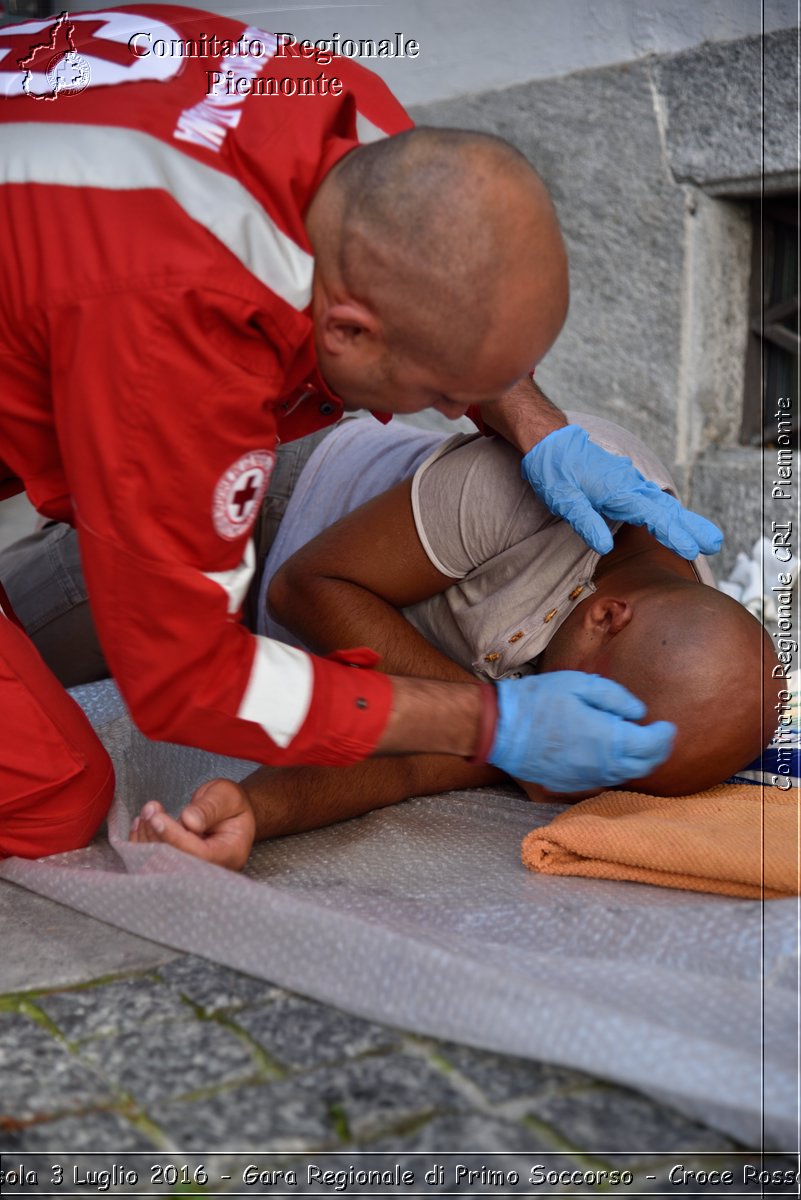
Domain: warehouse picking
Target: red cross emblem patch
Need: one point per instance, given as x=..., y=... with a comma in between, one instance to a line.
x=239, y=492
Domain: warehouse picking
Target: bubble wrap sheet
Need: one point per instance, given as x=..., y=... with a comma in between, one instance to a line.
x=422, y=916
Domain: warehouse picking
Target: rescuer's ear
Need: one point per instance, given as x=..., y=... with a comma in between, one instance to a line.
x=348, y=326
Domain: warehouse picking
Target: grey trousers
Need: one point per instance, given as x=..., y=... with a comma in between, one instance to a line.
x=44, y=580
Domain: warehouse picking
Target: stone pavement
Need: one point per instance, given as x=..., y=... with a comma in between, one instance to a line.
x=180, y=1056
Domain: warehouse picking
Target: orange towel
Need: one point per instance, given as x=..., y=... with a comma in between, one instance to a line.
x=735, y=839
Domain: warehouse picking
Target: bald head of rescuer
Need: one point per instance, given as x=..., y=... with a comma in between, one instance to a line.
x=441, y=275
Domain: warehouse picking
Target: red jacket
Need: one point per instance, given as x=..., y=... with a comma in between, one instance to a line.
x=156, y=343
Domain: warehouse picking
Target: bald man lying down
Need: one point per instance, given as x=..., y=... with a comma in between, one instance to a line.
x=459, y=571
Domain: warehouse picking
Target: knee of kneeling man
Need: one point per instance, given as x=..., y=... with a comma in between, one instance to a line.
x=60, y=818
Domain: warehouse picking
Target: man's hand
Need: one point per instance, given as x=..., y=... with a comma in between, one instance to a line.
x=579, y=480
x=572, y=732
x=217, y=825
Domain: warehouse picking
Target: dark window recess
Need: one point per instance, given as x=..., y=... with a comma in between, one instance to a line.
x=773, y=340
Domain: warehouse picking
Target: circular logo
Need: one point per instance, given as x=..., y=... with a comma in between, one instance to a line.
x=68, y=73
x=239, y=492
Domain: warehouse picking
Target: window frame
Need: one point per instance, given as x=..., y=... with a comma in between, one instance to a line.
x=766, y=317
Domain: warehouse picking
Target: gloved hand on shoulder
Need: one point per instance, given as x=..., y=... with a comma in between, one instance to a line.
x=582, y=483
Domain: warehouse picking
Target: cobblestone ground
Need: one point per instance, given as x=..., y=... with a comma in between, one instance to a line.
x=193, y=1059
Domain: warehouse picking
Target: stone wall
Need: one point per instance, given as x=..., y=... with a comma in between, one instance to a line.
x=651, y=165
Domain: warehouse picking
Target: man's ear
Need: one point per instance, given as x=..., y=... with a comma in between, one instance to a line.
x=606, y=616
x=348, y=326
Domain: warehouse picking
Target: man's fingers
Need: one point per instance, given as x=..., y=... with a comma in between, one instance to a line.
x=684, y=532
x=643, y=747
x=224, y=819
x=142, y=829
x=611, y=697
x=681, y=530
x=588, y=524
x=213, y=802
x=706, y=534
x=164, y=829
x=172, y=833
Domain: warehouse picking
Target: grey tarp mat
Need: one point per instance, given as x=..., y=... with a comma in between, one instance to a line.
x=422, y=916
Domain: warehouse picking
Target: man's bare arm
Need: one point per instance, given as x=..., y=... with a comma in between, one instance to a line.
x=224, y=818
x=523, y=416
x=305, y=798
x=348, y=585
x=344, y=588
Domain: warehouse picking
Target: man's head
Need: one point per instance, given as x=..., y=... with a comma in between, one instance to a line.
x=693, y=655
x=441, y=275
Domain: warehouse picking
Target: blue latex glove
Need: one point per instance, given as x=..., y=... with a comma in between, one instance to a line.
x=578, y=479
x=572, y=732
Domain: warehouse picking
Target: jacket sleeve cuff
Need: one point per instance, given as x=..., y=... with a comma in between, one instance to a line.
x=349, y=711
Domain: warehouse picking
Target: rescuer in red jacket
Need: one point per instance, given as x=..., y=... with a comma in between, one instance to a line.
x=192, y=272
